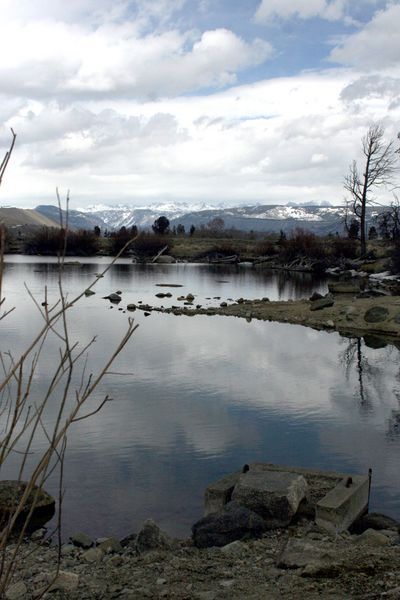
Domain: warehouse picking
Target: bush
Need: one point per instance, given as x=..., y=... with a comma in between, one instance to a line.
x=395, y=258
x=344, y=248
x=265, y=248
x=50, y=241
x=149, y=244
x=303, y=243
x=118, y=239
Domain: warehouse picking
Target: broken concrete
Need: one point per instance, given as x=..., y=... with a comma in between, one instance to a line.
x=343, y=505
x=275, y=496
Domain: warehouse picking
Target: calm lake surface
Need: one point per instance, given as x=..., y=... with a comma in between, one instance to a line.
x=195, y=398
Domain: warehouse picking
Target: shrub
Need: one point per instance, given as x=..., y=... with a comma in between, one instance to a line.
x=344, y=248
x=118, y=239
x=265, y=248
x=50, y=241
x=395, y=258
x=149, y=244
x=303, y=243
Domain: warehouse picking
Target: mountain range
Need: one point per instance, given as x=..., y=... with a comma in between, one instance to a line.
x=322, y=219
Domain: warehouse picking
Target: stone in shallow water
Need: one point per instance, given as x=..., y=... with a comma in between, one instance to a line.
x=275, y=496
x=376, y=314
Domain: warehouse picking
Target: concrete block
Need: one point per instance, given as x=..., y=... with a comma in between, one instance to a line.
x=219, y=493
x=275, y=496
x=338, y=510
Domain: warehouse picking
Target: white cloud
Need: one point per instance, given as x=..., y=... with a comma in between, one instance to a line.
x=332, y=10
x=114, y=59
x=376, y=46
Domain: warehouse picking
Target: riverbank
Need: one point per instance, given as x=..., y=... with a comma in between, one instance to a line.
x=293, y=563
x=347, y=314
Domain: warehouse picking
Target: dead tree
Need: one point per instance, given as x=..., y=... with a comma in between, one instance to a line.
x=377, y=172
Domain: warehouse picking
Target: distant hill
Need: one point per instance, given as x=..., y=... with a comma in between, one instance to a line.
x=13, y=218
x=269, y=218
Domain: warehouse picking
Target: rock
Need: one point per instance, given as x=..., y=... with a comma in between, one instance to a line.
x=315, y=296
x=343, y=288
x=38, y=535
x=131, y=307
x=374, y=538
x=114, y=297
x=223, y=304
x=275, y=496
x=68, y=550
x=150, y=537
x=162, y=295
x=325, y=302
x=89, y=293
x=11, y=493
x=315, y=557
x=375, y=521
x=234, y=522
x=110, y=545
x=330, y=324
x=165, y=259
x=64, y=581
x=235, y=548
x=219, y=493
x=16, y=591
x=376, y=314
x=190, y=297
x=81, y=540
x=93, y=555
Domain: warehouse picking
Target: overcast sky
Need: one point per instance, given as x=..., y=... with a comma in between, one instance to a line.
x=234, y=101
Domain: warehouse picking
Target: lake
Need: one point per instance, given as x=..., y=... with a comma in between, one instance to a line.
x=196, y=398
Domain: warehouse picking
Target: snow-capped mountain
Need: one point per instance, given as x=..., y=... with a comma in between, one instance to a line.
x=322, y=219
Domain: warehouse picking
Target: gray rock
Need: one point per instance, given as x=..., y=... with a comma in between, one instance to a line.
x=371, y=537
x=315, y=296
x=16, y=591
x=131, y=307
x=316, y=558
x=275, y=496
x=376, y=521
x=89, y=293
x=64, y=581
x=81, y=540
x=234, y=522
x=219, y=493
x=376, y=314
x=343, y=288
x=11, y=493
x=150, y=537
x=235, y=548
x=325, y=302
x=113, y=297
x=110, y=545
x=93, y=555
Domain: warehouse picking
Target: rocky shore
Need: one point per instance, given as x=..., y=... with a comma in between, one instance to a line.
x=346, y=313
x=297, y=562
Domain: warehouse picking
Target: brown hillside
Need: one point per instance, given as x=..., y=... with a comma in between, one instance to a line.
x=20, y=217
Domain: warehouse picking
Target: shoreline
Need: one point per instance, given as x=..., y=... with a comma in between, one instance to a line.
x=346, y=315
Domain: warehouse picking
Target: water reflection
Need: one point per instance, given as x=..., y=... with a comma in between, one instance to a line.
x=201, y=396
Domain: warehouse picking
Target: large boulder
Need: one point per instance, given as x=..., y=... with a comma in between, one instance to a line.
x=274, y=495
x=150, y=537
x=324, y=302
x=376, y=314
x=234, y=522
x=11, y=493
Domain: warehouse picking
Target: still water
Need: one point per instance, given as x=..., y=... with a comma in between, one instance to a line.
x=195, y=398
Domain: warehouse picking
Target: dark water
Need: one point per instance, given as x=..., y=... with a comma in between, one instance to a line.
x=195, y=398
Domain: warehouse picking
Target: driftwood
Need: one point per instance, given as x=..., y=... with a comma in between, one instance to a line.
x=159, y=254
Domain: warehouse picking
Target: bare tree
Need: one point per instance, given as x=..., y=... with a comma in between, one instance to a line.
x=378, y=171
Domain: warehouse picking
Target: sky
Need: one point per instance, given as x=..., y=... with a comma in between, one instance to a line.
x=196, y=101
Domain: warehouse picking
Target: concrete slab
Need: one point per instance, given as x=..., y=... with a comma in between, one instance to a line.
x=219, y=493
x=275, y=496
x=338, y=510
